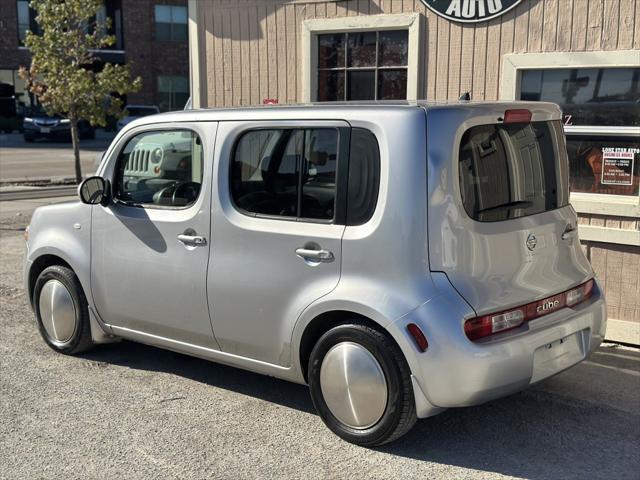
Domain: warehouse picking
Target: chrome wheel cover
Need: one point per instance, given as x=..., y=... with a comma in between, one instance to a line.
x=57, y=311
x=353, y=385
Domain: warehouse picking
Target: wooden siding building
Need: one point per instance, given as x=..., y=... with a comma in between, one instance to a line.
x=582, y=54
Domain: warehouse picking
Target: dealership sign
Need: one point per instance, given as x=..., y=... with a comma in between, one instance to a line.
x=470, y=10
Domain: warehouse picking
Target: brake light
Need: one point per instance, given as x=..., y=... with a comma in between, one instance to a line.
x=487, y=325
x=517, y=116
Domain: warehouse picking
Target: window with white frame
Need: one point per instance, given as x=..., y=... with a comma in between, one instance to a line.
x=587, y=96
x=368, y=57
x=599, y=94
x=370, y=65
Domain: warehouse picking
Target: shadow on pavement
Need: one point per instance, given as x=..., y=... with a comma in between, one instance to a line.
x=583, y=423
x=144, y=357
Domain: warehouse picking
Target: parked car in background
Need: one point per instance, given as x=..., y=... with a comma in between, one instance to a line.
x=10, y=112
x=39, y=125
x=136, y=111
x=396, y=274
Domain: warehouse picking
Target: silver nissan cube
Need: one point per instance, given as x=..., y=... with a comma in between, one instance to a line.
x=399, y=258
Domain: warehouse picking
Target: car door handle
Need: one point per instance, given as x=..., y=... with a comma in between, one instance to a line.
x=192, y=240
x=315, y=255
x=568, y=231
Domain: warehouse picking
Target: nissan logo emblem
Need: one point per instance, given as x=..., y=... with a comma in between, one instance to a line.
x=531, y=242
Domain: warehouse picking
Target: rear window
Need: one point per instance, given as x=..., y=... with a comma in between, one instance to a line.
x=511, y=171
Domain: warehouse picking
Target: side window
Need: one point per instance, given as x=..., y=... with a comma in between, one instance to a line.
x=286, y=172
x=160, y=168
x=364, y=176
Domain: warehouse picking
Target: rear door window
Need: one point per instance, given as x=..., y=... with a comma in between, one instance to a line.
x=512, y=171
x=287, y=173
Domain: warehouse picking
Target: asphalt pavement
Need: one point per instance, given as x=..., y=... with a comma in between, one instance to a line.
x=21, y=161
x=132, y=411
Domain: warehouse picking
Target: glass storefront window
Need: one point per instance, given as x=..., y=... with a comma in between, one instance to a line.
x=588, y=96
x=604, y=164
x=173, y=92
x=363, y=65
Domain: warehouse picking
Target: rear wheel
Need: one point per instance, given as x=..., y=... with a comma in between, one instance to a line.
x=61, y=310
x=360, y=384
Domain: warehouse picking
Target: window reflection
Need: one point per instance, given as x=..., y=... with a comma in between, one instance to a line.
x=589, y=96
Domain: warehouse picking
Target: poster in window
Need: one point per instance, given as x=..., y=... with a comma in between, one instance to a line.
x=617, y=166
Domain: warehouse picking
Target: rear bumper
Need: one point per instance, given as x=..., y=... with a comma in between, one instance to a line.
x=455, y=372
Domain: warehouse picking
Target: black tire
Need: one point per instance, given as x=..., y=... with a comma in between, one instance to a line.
x=400, y=413
x=28, y=139
x=80, y=341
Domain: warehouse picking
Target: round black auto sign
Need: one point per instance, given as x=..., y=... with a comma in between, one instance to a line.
x=470, y=10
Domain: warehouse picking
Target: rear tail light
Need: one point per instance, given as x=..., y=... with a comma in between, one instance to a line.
x=579, y=294
x=517, y=116
x=487, y=325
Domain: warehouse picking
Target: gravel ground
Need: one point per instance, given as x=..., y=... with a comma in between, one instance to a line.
x=131, y=411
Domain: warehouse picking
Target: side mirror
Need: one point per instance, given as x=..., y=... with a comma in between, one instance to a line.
x=93, y=190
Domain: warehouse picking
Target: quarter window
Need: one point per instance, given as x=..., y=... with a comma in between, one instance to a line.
x=286, y=173
x=160, y=168
x=364, y=176
x=363, y=65
x=171, y=23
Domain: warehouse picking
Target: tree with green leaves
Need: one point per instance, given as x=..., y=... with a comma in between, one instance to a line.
x=63, y=74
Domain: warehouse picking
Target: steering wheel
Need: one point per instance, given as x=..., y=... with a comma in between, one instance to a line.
x=191, y=190
x=162, y=196
x=173, y=191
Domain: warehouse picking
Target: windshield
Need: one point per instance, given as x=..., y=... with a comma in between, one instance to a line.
x=511, y=171
x=141, y=111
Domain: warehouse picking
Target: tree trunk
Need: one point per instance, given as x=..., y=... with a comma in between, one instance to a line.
x=75, y=139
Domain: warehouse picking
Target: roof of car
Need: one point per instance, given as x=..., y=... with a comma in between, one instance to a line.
x=322, y=110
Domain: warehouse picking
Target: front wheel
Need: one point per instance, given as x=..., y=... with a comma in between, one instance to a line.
x=61, y=310
x=360, y=384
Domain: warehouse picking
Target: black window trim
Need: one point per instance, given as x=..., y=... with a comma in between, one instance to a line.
x=342, y=175
x=116, y=167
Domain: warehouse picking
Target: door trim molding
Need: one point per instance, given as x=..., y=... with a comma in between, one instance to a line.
x=258, y=366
